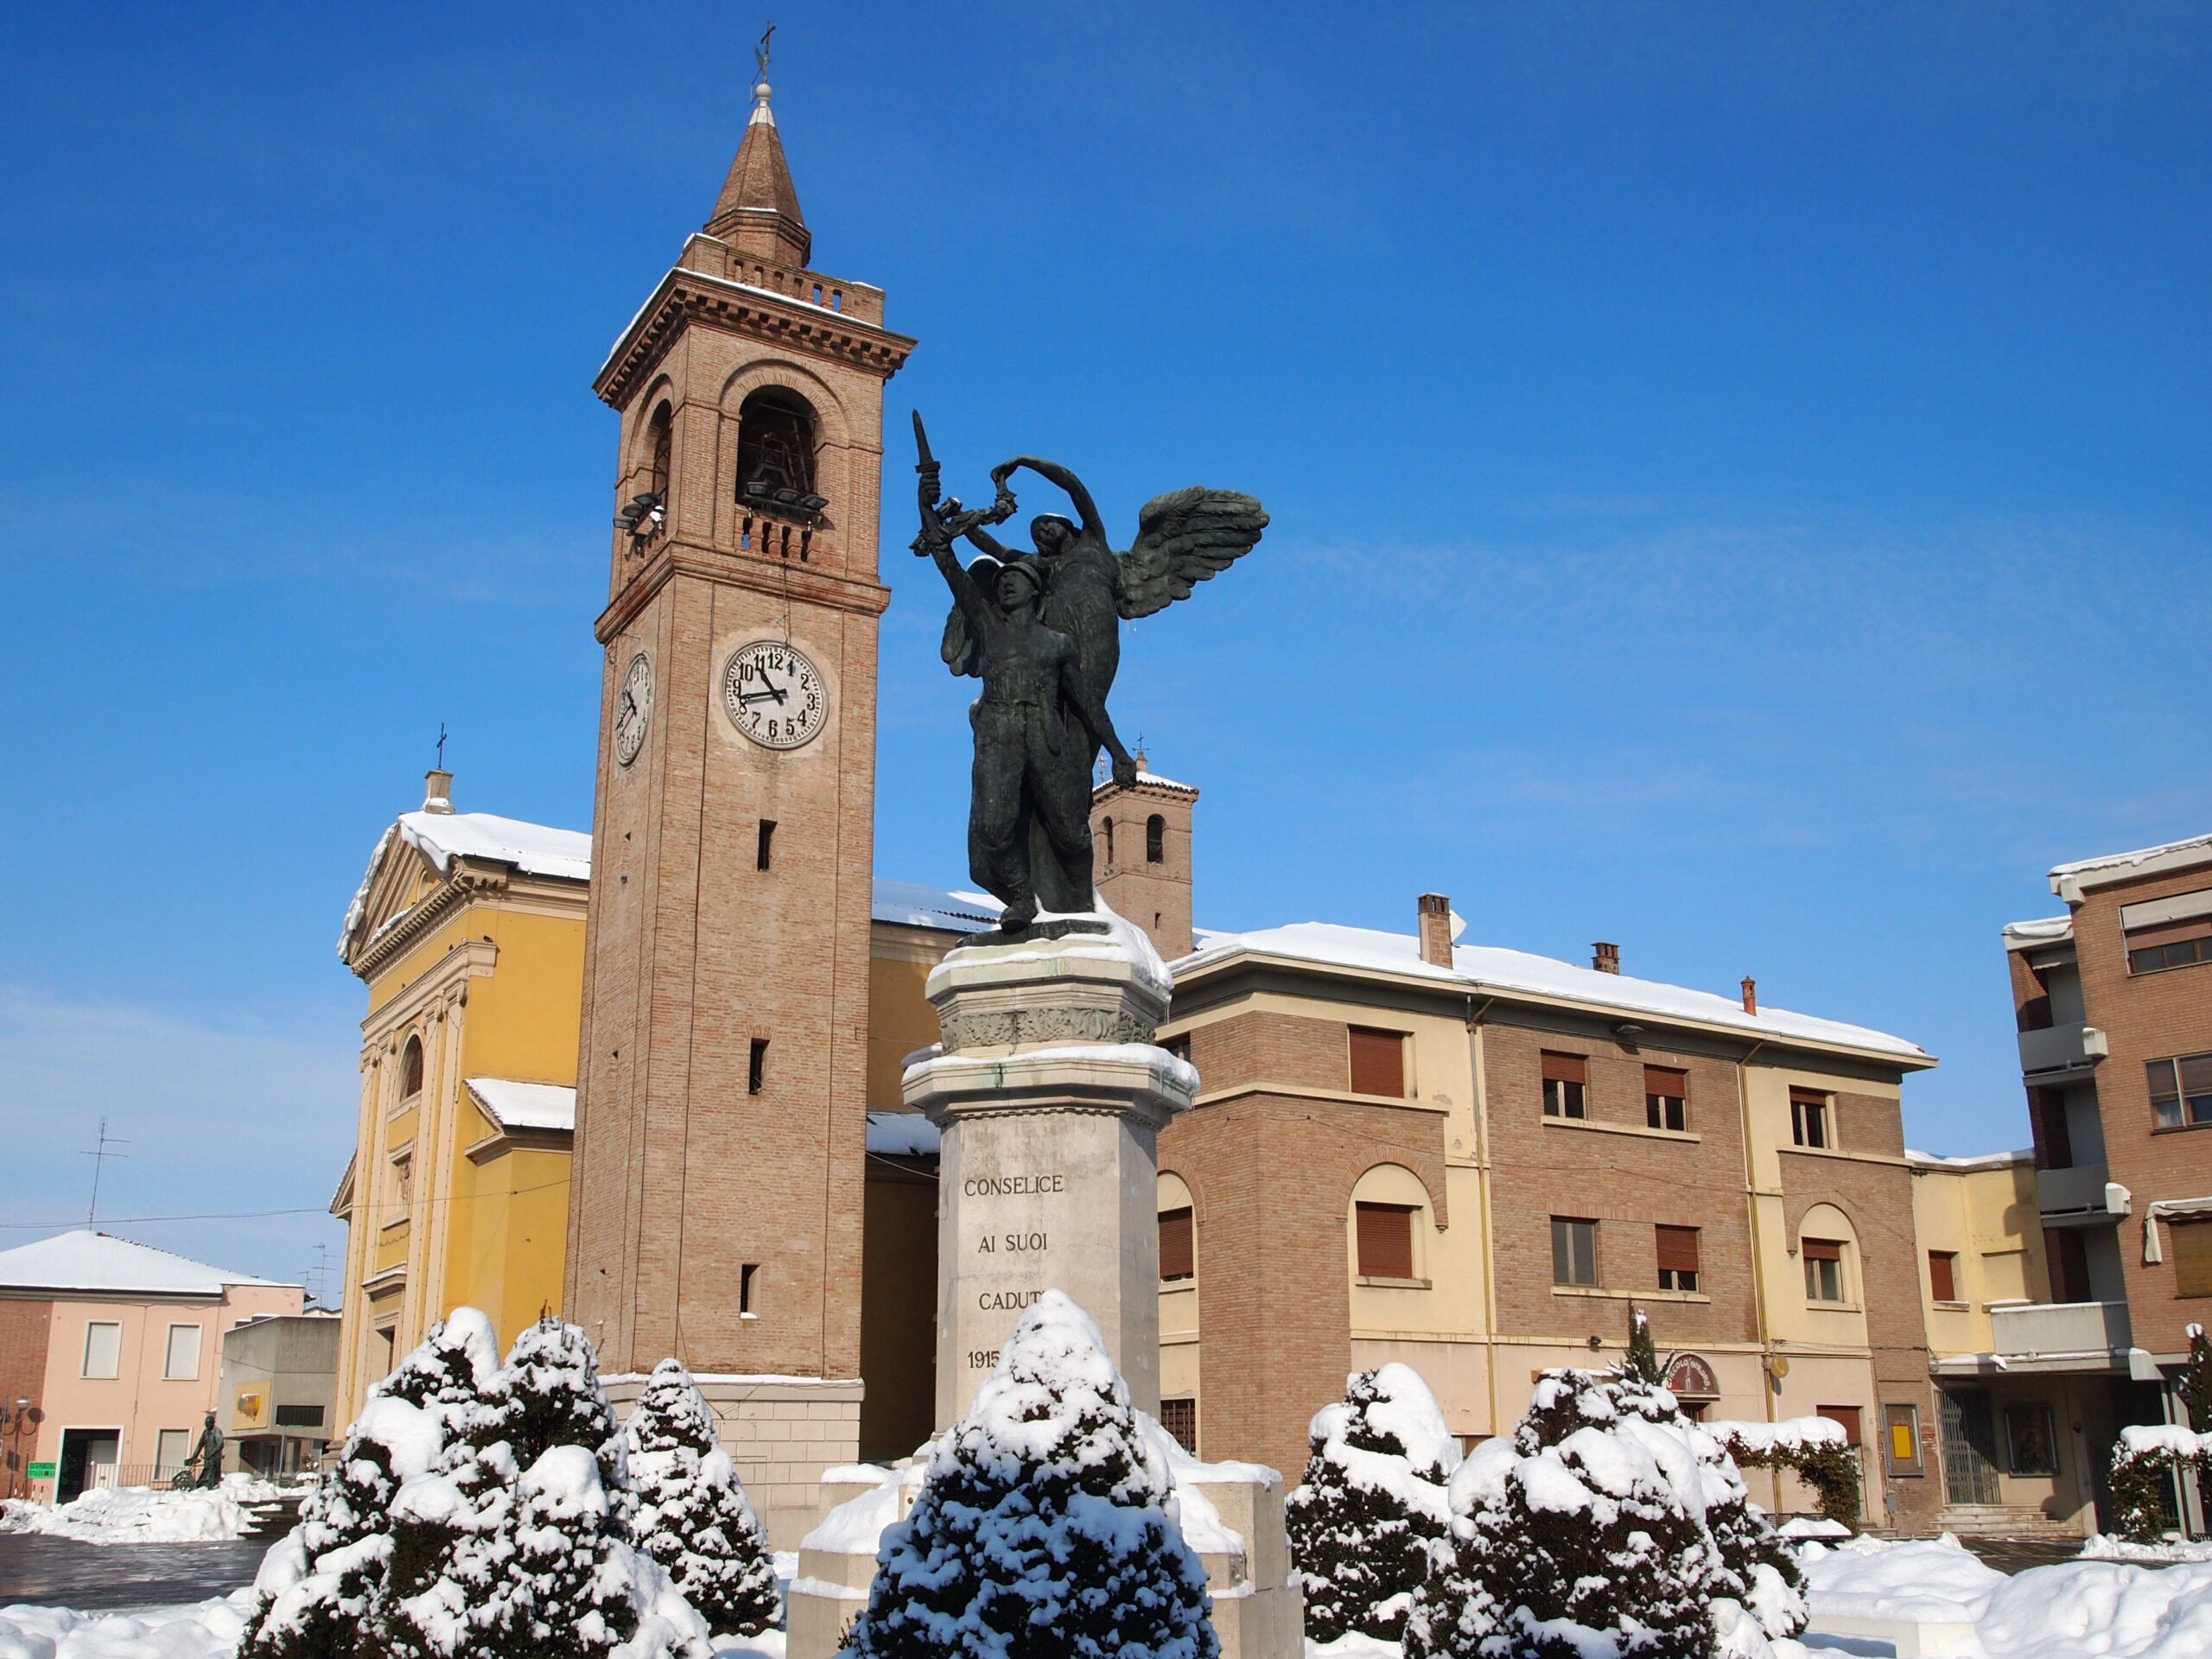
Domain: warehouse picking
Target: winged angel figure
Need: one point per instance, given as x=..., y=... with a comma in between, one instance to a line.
x=1040, y=627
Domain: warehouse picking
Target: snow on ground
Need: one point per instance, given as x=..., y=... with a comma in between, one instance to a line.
x=2102, y=1547
x=143, y=1515
x=208, y=1629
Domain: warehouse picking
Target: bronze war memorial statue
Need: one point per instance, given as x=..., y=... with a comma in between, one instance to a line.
x=1040, y=627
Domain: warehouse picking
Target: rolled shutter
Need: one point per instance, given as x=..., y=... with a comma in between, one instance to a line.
x=1677, y=1248
x=1942, y=1282
x=1378, y=1062
x=1176, y=1259
x=1566, y=1068
x=1822, y=1250
x=1665, y=1080
x=2192, y=1258
x=1386, y=1240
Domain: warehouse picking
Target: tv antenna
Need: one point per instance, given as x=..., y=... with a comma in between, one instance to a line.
x=99, y=1155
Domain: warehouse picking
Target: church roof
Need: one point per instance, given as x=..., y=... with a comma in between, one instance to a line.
x=759, y=194
x=90, y=1260
x=1486, y=969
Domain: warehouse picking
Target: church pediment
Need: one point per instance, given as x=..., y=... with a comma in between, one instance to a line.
x=400, y=877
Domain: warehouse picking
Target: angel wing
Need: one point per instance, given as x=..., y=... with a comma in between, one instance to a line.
x=962, y=651
x=1185, y=537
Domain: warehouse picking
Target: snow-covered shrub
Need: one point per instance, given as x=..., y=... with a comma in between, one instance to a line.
x=316, y=1584
x=555, y=1399
x=1044, y=1528
x=1372, y=1502
x=1607, y=1526
x=2143, y=1466
x=692, y=1516
x=1816, y=1449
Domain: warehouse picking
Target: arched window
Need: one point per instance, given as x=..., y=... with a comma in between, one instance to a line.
x=1389, y=1230
x=1155, y=840
x=1106, y=834
x=775, y=453
x=410, y=1068
x=1828, y=1248
x=659, y=435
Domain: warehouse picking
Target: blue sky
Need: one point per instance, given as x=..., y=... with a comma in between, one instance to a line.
x=1737, y=475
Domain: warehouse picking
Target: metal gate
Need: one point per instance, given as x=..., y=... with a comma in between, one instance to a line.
x=1969, y=1447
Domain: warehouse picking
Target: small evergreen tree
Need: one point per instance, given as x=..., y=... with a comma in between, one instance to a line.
x=1642, y=1364
x=1372, y=1502
x=576, y=1589
x=692, y=1516
x=556, y=1399
x=2195, y=1385
x=317, y=1584
x=1044, y=1528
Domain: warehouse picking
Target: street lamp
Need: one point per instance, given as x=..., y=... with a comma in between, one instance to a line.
x=18, y=1421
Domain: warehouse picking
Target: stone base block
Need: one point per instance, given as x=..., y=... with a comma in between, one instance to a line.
x=782, y=1433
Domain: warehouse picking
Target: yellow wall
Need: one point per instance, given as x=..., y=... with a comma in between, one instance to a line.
x=1987, y=1218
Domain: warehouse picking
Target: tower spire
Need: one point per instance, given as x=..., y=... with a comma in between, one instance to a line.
x=757, y=211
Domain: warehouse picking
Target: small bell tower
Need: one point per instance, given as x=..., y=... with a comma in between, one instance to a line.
x=1140, y=850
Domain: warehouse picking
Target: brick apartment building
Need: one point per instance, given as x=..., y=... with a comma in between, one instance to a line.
x=2115, y=1029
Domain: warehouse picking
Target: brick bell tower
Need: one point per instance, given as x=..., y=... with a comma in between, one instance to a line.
x=714, y=1209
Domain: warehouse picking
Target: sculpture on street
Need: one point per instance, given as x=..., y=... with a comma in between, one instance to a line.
x=209, y=1454
x=1041, y=627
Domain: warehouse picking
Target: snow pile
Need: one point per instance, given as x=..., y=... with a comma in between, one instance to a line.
x=208, y=1630
x=1935, y=1580
x=2106, y=1547
x=476, y=1509
x=1044, y=1509
x=1372, y=1502
x=692, y=1515
x=135, y=1515
x=1607, y=1525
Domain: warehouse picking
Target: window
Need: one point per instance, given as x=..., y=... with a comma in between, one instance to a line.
x=1677, y=1258
x=775, y=452
x=410, y=1068
x=1386, y=1240
x=1902, y=1443
x=1943, y=1275
x=1809, y=1118
x=1847, y=1415
x=181, y=1362
x=171, y=1447
x=1566, y=1085
x=1155, y=840
x=1823, y=1269
x=748, y=1276
x=1177, y=1260
x=756, y=1067
x=2173, y=945
x=2181, y=1091
x=102, y=1349
x=2069, y=1264
x=1179, y=1046
x=767, y=844
x=1575, y=1251
x=1106, y=834
x=1180, y=1419
x=2192, y=1259
x=1378, y=1062
x=659, y=433
x=1666, y=1097
x=299, y=1416
x=2030, y=1445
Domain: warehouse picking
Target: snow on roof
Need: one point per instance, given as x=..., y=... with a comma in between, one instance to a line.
x=901, y=1134
x=1165, y=783
x=1490, y=967
x=1982, y=1160
x=91, y=1261
x=950, y=909
x=514, y=1105
x=2173, y=852
x=535, y=849
x=2047, y=929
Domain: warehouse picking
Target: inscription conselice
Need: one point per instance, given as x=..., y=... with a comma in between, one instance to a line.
x=1009, y=1186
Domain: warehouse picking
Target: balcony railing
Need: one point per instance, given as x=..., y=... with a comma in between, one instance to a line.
x=2051, y=1328
x=2060, y=1048
x=2082, y=1196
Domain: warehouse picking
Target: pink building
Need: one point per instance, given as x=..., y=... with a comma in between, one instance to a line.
x=118, y=1349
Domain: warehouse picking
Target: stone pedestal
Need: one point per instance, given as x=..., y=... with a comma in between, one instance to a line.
x=1049, y=1096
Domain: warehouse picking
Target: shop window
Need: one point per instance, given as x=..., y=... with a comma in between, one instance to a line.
x=1943, y=1275
x=1666, y=1097
x=1385, y=1240
x=1378, y=1062
x=299, y=1416
x=1811, y=1119
x=1566, y=1085
x=1678, y=1265
x=1823, y=1269
x=1177, y=1259
x=1575, y=1251
x=2181, y=1091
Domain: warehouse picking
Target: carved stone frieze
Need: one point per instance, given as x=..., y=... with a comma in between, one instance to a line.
x=1007, y=1027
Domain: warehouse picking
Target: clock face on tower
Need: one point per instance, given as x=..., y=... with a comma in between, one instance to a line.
x=774, y=694
x=633, y=709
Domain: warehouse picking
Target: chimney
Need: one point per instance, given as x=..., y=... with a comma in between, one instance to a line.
x=1435, y=911
x=1606, y=958
x=1751, y=995
x=437, y=792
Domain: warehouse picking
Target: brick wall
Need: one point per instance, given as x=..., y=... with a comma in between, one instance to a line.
x=1271, y=1178
x=24, y=1329
x=1265, y=1047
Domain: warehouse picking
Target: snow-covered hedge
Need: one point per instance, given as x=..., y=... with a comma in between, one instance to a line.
x=2149, y=1455
x=1372, y=1502
x=1045, y=1527
x=692, y=1515
x=1607, y=1525
x=1817, y=1449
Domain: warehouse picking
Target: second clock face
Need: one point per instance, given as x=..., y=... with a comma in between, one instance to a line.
x=774, y=694
x=633, y=709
